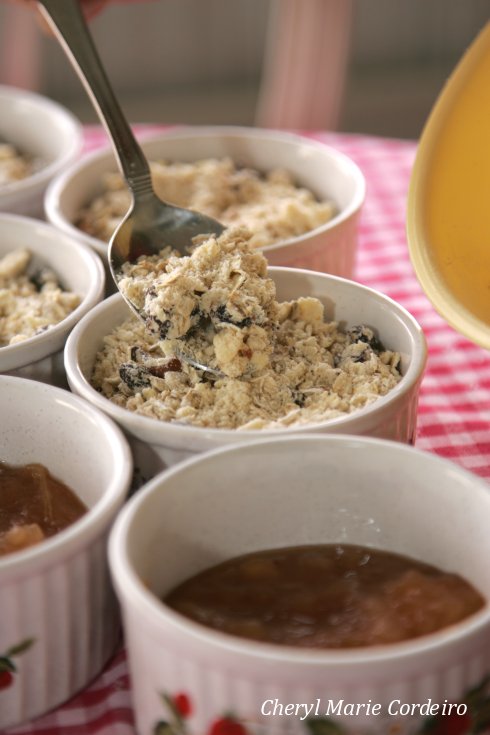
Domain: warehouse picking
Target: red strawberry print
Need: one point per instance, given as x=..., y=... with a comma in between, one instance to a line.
x=453, y=724
x=7, y=665
x=227, y=726
x=6, y=679
x=182, y=704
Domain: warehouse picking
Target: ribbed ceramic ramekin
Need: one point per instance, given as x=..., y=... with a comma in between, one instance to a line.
x=59, y=617
x=157, y=444
x=288, y=491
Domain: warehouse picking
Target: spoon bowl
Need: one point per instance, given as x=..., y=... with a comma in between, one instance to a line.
x=448, y=214
x=151, y=225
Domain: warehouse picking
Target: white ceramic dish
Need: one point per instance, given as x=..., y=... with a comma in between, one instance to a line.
x=79, y=269
x=295, y=491
x=329, y=174
x=37, y=126
x=157, y=444
x=57, y=595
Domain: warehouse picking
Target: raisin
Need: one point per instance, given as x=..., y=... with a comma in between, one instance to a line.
x=134, y=376
x=362, y=357
x=174, y=365
x=151, y=365
x=224, y=316
x=40, y=278
x=158, y=370
x=157, y=326
x=361, y=333
x=199, y=326
x=136, y=353
x=245, y=352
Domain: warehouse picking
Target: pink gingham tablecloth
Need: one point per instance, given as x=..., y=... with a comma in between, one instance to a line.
x=454, y=409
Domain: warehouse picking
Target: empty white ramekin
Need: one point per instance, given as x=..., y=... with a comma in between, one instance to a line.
x=59, y=620
x=299, y=490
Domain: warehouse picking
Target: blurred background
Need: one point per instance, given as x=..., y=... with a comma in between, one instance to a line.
x=367, y=66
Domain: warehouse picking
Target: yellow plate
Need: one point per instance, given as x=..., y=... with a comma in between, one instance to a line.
x=448, y=214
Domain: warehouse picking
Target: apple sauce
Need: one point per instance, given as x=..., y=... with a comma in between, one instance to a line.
x=34, y=505
x=326, y=596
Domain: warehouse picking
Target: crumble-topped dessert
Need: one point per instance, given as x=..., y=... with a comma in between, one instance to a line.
x=13, y=165
x=281, y=363
x=272, y=206
x=29, y=302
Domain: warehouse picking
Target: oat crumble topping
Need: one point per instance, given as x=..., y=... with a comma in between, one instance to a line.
x=13, y=165
x=29, y=302
x=282, y=363
x=271, y=206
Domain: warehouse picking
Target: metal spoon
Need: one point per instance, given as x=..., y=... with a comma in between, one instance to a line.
x=151, y=224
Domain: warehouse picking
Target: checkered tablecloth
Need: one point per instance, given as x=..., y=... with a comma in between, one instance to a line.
x=454, y=409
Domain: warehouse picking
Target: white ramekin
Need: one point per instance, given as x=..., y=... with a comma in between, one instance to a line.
x=157, y=444
x=79, y=269
x=295, y=491
x=44, y=129
x=328, y=173
x=56, y=597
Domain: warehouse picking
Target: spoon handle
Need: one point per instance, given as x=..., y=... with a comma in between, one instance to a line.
x=66, y=20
